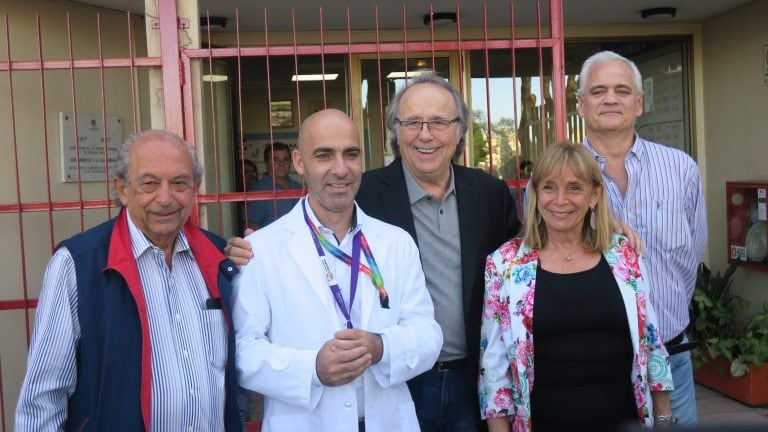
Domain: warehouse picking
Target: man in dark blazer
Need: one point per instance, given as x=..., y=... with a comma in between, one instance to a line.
x=457, y=216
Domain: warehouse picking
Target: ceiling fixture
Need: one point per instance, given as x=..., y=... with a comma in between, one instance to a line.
x=314, y=77
x=214, y=78
x=440, y=19
x=400, y=75
x=659, y=13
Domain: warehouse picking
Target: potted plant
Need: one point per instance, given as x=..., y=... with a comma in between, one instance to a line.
x=733, y=354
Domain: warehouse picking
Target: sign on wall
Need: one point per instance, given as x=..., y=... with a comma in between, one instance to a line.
x=89, y=147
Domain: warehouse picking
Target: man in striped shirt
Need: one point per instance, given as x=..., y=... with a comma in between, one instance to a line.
x=657, y=191
x=132, y=330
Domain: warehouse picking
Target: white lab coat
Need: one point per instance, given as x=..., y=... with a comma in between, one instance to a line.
x=284, y=312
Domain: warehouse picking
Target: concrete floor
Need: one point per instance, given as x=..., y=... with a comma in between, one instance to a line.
x=715, y=408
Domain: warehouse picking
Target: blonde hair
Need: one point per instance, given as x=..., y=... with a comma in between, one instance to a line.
x=553, y=161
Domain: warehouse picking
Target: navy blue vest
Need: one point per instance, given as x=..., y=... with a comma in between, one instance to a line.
x=108, y=391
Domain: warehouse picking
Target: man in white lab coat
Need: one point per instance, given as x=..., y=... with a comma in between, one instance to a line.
x=332, y=313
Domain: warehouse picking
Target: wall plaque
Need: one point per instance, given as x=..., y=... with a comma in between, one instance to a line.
x=89, y=146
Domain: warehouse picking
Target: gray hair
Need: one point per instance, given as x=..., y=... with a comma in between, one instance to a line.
x=428, y=77
x=604, y=56
x=123, y=164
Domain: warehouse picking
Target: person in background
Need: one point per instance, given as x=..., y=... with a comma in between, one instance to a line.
x=277, y=158
x=332, y=315
x=132, y=330
x=566, y=321
x=656, y=190
x=251, y=174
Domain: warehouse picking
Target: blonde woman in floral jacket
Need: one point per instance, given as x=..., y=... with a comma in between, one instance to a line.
x=574, y=289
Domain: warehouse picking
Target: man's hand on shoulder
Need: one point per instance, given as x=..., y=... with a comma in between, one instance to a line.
x=239, y=250
x=623, y=228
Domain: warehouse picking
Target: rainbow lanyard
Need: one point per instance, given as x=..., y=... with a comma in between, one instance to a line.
x=359, y=242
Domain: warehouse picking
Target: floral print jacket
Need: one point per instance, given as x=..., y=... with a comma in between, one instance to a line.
x=506, y=345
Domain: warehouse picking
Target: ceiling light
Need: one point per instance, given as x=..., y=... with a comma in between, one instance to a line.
x=315, y=77
x=659, y=13
x=214, y=78
x=411, y=74
x=440, y=19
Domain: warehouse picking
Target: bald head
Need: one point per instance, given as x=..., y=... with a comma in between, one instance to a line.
x=330, y=159
x=330, y=121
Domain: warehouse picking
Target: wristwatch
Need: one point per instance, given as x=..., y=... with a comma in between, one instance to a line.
x=664, y=421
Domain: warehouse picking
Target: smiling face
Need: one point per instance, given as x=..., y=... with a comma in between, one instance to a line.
x=330, y=160
x=563, y=200
x=159, y=191
x=610, y=101
x=428, y=153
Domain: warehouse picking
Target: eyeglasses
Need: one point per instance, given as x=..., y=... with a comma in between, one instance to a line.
x=436, y=125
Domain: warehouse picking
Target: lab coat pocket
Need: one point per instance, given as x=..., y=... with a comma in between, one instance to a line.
x=383, y=318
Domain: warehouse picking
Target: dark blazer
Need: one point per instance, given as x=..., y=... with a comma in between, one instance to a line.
x=487, y=218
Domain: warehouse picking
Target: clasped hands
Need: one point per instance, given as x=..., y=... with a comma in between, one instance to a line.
x=347, y=356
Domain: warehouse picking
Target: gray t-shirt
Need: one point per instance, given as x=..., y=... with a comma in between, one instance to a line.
x=437, y=232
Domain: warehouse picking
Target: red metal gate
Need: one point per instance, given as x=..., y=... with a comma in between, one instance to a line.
x=55, y=71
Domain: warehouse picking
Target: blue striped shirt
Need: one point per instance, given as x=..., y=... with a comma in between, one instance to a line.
x=664, y=204
x=189, y=343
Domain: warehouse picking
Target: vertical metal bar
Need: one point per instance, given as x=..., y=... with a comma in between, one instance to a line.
x=45, y=135
x=432, y=36
x=189, y=113
x=542, y=102
x=518, y=149
x=487, y=91
x=558, y=66
x=214, y=126
x=380, y=78
x=296, y=72
x=296, y=64
x=74, y=119
x=132, y=75
x=169, y=47
x=103, y=114
x=240, y=115
x=462, y=89
x=322, y=59
x=269, y=119
x=349, y=64
x=18, y=180
x=185, y=71
x=405, y=43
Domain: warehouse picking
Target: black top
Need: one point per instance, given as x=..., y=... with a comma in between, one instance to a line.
x=583, y=353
